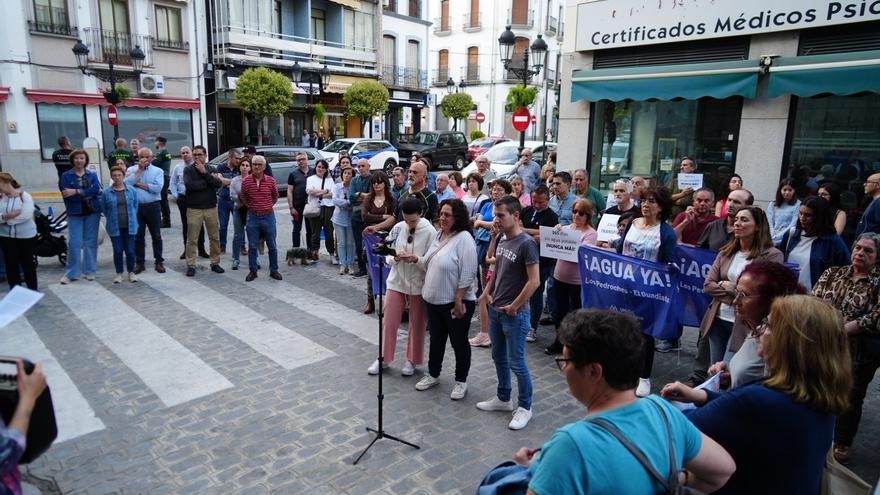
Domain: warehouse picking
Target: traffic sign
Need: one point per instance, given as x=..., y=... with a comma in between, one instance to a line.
x=481, y=117
x=534, y=120
x=112, y=116
x=521, y=119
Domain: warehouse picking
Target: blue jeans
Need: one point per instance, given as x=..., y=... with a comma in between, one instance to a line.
x=344, y=244
x=149, y=217
x=536, y=302
x=508, y=334
x=239, y=218
x=82, y=245
x=261, y=226
x=225, y=207
x=123, y=244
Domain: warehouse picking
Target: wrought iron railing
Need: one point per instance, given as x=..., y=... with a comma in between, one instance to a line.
x=472, y=21
x=442, y=25
x=404, y=77
x=440, y=76
x=521, y=18
x=551, y=25
x=51, y=28
x=172, y=44
x=472, y=74
x=106, y=46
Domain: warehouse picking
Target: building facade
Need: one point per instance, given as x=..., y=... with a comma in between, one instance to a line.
x=43, y=95
x=767, y=91
x=464, y=48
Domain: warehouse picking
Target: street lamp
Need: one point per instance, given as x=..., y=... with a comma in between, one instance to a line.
x=137, y=56
x=506, y=43
x=323, y=80
x=450, y=85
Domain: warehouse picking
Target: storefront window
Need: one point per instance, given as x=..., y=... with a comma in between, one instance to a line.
x=649, y=138
x=146, y=124
x=56, y=120
x=271, y=130
x=836, y=139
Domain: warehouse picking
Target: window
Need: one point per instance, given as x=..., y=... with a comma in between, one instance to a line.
x=168, y=31
x=519, y=12
x=358, y=30
x=390, y=5
x=50, y=16
x=55, y=120
x=318, y=23
x=389, y=49
x=415, y=8
x=459, y=139
x=442, y=66
x=114, y=16
x=473, y=64
x=148, y=123
x=444, y=15
x=412, y=54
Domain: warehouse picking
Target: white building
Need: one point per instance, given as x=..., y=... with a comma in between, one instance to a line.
x=464, y=47
x=43, y=95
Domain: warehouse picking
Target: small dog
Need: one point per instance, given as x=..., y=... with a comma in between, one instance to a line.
x=301, y=254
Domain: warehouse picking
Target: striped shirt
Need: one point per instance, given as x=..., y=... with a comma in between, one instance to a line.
x=259, y=196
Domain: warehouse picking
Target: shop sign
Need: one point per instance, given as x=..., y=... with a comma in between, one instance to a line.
x=616, y=23
x=407, y=117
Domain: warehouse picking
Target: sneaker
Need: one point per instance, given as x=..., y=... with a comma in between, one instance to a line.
x=458, y=391
x=342, y=269
x=520, y=419
x=481, y=340
x=132, y=277
x=547, y=320
x=644, y=388
x=374, y=368
x=64, y=280
x=408, y=369
x=236, y=264
x=190, y=271
x=335, y=260
x=427, y=382
x=90, y=278
x=250, y=276
x=117, y=279
x=495, y=404
x=667, y=345
x=532, y=335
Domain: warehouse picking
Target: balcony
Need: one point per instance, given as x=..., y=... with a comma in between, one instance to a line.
x=550, y=29
x=440, y=76
x=472, y=74
x=114, y=46
x=171, y=44
x=404, y=77
x=50, y=28
x=521, y=18
x=472, y=22
x=442, y=26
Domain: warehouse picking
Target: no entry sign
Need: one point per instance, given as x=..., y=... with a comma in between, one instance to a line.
x=481, y=117
x=521, y=119
x=112, y=116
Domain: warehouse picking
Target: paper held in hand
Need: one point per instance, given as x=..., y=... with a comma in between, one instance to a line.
x=560, y=244
x=713, y=384
x=694, y=181
x=607, y=228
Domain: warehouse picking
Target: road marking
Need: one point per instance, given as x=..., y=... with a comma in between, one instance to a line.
x=169, y=369
x=268, y=337
x=73, y=414
x=346, y=319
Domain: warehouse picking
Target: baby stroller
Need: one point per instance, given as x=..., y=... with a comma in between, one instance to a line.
x=50, y=236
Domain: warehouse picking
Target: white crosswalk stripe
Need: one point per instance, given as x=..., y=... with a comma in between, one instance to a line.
x=73, y=414
x=169, y=369
x=270, y=338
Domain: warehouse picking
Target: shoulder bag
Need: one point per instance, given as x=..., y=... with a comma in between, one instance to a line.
x=313, y=209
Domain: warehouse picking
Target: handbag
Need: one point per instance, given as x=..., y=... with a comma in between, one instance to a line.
x=507, y=478
x=838, y=480
x=313, y=210
x=43, y=430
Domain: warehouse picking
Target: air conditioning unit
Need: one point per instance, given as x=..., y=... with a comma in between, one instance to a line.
x=152, y=84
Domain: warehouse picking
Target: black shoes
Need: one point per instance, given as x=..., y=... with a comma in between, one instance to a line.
x=204, y=254
x=217, y=269
x=554, y=349
x=190, y=271
x=250, y=276
x=275, y=275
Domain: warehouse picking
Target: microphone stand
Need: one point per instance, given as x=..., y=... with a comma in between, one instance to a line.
x=379, y=432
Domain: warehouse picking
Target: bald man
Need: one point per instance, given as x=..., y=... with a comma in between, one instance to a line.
x=870, y=221
x=121, y=151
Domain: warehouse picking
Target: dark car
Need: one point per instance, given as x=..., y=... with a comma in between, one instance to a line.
x=438, y=148
x=480, y=146
x=282, y=160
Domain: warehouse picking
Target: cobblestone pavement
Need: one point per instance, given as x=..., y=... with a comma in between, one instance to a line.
x=213, y=385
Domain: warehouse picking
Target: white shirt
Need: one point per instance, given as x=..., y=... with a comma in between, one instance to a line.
x=739, y=263
x=408, y=278
x=313, y=185
x=453, y=267
x=21, y=226
x=800, y=254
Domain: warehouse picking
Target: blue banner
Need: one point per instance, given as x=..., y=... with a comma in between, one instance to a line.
x=648, y=291
x=695, y=264
x=373, y=264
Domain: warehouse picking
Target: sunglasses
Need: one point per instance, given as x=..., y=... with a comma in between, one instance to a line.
x=579, y=213
x=412, y=233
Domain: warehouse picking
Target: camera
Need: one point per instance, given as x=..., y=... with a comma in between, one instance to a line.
x=383, y=247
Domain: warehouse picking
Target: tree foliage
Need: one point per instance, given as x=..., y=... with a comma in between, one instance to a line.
x=456, y=105
x=365, y=99
x=262, y=92
x=477, y=134
x=521, y=97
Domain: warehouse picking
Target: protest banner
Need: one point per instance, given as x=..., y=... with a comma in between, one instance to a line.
x=607, y=228
x=641, y=288
x=694, y=181
x=694, y=265
x=373, y=263
x=560, y=244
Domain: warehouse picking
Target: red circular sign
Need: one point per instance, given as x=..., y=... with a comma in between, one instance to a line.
x=521, y=119
x=112, y=115
x=534, y=120
x=481, y=117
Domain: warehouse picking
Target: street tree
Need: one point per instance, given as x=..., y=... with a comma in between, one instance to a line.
x=263, y=93
x=365, y=99
x=456, y=106
x=521, y=97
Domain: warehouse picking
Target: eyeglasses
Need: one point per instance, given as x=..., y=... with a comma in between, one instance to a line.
x=580, y=213
x=872, y=182
x=742, y=295
x=561, y=363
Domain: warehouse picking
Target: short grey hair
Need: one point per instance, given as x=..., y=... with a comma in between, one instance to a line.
x=708, y=190
x=441, y=175
x=121, y=142
x=145, y=151
x=627, y=185
x=258, y=159
x=870, y=236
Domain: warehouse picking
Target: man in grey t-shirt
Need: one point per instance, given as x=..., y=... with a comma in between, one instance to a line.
x=507, y=294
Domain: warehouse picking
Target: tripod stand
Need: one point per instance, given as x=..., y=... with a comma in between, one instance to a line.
x=379, y=432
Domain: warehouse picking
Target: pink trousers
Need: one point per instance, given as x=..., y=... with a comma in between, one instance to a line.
x=395, y=302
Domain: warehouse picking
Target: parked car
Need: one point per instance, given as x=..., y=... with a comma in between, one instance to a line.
x=480, y=146
x=503, y=156
x=282, y=160
x=438, y=148
x=381, y=153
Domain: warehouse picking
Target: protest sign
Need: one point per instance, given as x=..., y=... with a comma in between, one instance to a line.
x=560, y=244
x=373, y=264
x=695, y=264
x=641, y=288
x=607, y=229
x=694, y=181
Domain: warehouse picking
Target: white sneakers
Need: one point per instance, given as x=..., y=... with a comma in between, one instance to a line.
x=408, y=369
x=644, y=388
x=532, y=335
x=64, y=280
x=521, y=416
x=132, y=277
x=117, y=279
x=520, y=419
x=374, y=368
x=426, y=382
x=495, y=404
x=458, y=391
x=480, y=340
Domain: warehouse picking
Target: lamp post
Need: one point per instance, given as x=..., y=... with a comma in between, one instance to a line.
x=452, y=88
x=323, y=82
x=137, y=56
x=506, y=42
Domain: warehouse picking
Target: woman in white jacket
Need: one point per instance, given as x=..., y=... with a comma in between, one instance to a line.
x=412, y=238
x=18, y=232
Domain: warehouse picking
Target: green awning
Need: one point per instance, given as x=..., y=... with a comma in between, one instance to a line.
x=839, y=74
x=666, y=82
